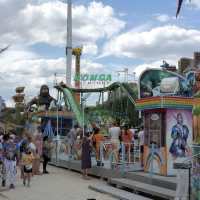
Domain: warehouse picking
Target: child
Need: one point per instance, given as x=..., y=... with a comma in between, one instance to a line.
x=27, y=160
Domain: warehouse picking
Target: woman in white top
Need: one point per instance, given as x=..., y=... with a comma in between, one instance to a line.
x=115, y=133
x=141, y=142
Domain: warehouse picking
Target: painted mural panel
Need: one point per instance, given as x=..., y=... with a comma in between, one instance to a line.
x=179, y=136
x=151, y=84
x=155, y=156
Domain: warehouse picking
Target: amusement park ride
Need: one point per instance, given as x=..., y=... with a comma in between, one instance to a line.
x=167, y=100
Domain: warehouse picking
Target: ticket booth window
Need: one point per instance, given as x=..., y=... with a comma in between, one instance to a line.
x=154, y=129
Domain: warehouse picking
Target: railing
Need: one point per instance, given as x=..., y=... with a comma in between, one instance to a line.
x=125, y=157
x=119, y=156
x=63, y=150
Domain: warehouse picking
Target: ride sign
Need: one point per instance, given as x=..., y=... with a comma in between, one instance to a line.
x=93, y=77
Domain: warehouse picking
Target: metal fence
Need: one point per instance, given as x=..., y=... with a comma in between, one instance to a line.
x=125, y=157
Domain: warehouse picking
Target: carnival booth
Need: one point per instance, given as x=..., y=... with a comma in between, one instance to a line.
x=166, y=106
x=168, y=132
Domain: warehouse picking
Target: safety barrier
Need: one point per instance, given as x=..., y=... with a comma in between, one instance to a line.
x=63, y=150
x=116, y=155
x=122, y=156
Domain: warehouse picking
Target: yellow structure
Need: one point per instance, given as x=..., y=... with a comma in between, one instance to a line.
x=77, y=53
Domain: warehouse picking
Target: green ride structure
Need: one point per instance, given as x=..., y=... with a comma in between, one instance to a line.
x=120, y=104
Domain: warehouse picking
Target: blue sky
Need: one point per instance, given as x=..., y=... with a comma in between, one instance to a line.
x=115, y=34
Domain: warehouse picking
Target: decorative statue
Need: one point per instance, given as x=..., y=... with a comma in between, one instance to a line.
x=43, y=100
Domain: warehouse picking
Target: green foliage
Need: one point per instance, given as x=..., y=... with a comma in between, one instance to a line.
x=196, y=111
x=197, y=94
x=118, y=107
x=198, y=140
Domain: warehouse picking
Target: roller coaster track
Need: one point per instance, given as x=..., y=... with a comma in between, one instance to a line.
x=68, y=94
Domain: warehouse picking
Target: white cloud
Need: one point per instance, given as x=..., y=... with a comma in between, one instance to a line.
x=21, y=67
x=156, y=64
x=165, y=42
x=46, y=22
x=28, y=22
x=194, y=3
x=163, y=17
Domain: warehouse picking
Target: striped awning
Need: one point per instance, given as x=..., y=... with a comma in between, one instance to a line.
x=165, y=102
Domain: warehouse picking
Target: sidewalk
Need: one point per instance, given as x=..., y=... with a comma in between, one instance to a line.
x=60, y=184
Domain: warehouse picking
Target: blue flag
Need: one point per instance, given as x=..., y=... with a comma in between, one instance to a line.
x=179, y=7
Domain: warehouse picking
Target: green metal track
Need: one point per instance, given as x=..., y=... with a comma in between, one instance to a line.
x=69, y=97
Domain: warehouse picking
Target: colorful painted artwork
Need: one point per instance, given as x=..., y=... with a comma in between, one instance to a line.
x=179, y=136
x=155, y=160
x=154, y=150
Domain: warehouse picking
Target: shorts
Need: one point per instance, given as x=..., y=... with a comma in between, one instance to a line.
x=27, y=170
x=115, y=144
x=142, y=149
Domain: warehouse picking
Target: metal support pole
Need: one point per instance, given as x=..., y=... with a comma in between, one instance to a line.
x=151, y=159
x=189, y=189
x=83, y=110
x=123, y=157
x=69, y=43
x=101, y=153
x=57, y=130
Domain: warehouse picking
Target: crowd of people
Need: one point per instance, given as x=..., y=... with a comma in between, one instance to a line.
x=91, y=140
x=26, y=152
x=23, y=154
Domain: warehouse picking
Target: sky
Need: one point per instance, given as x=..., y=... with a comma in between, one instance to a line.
x=114, y=34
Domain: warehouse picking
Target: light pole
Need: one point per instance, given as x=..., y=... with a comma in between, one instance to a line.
x=132, y=75
x=125, y=71
x=83, y=113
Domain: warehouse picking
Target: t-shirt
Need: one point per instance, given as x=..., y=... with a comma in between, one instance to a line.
x=141, y=137
x=127, y=138
x=114, y=133
x=98, y=138
x=132, y=130
x=9, y=151
x=27, y=160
